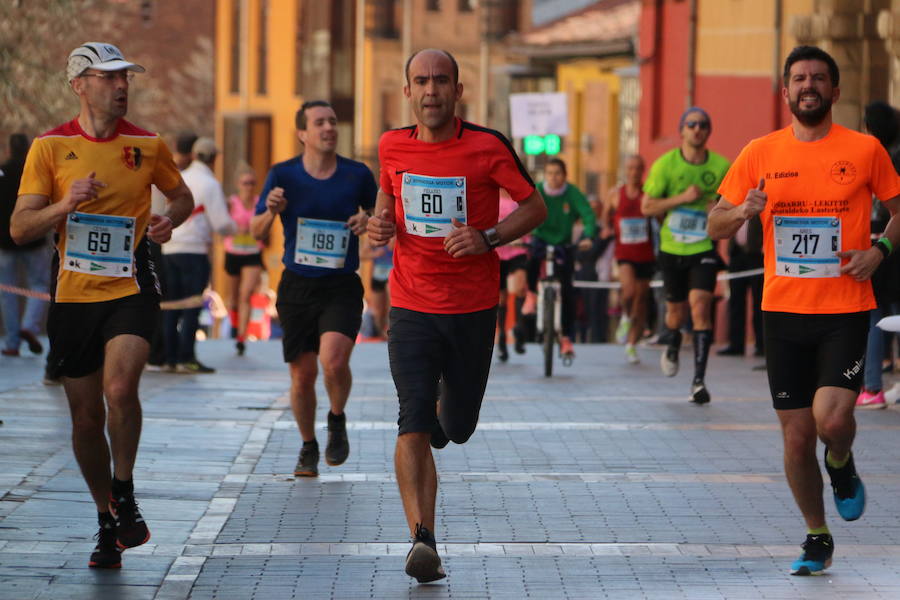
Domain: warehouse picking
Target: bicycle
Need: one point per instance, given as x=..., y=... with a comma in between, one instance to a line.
x=549, y=310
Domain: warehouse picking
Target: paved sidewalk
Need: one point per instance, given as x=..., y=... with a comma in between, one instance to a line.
x=602, y=482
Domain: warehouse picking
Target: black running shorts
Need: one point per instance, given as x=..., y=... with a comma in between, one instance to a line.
x=806, y=352
x=453, y=351
x=508, y=267
x=235, y=262
x=79, y=331
x=681, y=274
x=642, y=270
x=310, y=306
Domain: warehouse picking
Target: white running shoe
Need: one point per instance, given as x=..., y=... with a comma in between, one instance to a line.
x=668, y=361
x=622, y=329
x=631, y=354
x=892, y=396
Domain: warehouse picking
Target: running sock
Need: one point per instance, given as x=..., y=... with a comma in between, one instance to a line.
x=702, y=341
x=834, y=463
x=105, y=517
x=312, y=442
x=674, y=336
x=121, y=488
x=501, y=324
x=520, y=300
x=819, y=530
x=239, y=338
x=233, y=318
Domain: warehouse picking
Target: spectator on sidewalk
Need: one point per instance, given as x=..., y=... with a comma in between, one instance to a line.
x=186, y=257
x=32, y=258
x=183, y=158
x=744, y=252
x=883, y=122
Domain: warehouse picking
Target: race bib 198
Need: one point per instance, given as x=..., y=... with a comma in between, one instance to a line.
x=321, y=243
x=429, y=204
x=807, y=246
x=687, y=225
x=99, y=245
x=633, y=230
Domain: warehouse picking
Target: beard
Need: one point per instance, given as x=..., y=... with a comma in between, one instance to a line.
x=812, y=116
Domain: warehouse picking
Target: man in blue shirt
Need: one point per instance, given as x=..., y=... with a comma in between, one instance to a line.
x=323, y=200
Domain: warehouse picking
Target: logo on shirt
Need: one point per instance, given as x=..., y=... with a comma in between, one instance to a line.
x=843, y=172
x=132, y=157
x=708, y=178
x=782, y=174
x=71, y=156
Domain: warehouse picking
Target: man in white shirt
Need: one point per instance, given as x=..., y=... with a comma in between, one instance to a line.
x=186, y=257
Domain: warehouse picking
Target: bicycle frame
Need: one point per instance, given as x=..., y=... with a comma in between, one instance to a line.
x=549, y=310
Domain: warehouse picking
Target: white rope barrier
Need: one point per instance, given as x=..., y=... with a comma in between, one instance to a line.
x=655, y=283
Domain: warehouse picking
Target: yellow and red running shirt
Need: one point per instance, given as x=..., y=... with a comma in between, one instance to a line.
x=819, y=198
x=432, y=183
x=128, y=162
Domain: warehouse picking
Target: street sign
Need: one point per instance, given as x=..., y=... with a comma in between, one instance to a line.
x=539, y=114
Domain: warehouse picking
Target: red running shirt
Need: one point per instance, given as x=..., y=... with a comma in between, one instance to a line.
x=633, y=242
x=432, y=183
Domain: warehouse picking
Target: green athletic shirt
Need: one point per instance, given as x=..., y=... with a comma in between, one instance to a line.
x=562, y=211
x=684, y=228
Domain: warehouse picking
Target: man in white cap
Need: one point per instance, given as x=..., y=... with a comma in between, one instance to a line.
x=186, y=257
x=89, y=181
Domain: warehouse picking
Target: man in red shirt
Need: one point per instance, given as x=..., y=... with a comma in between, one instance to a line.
x=440, y=186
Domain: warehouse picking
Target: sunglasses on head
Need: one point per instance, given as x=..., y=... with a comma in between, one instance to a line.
x=700, y=124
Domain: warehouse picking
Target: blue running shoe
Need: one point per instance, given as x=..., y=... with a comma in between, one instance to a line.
x=816, y=557
x=848, y=488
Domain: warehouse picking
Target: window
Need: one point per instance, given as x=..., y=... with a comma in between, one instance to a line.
x=466, y=5
x=262, y=48
x=434, y=5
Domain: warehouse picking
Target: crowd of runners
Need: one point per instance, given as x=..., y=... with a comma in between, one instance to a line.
x=459, y=219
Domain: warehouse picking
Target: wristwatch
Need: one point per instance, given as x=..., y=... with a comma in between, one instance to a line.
x=491, y=237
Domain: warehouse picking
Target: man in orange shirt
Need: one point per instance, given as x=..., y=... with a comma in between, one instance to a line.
x=89, y=181
x=812, y=183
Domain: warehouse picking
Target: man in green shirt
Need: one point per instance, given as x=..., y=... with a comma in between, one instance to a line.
x=681, y=188
x=565, y=204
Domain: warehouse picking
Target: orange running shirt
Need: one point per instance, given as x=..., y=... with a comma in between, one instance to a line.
x=128, y=162
x=819, y=201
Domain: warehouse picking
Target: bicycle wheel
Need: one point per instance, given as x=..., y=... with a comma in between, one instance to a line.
x=549, y=330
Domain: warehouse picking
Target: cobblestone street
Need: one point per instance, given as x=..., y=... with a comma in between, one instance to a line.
x=602, y=482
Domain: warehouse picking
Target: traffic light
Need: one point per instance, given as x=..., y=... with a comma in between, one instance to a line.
x=550, y=144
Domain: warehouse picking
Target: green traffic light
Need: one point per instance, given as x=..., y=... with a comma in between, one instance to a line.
x=552, y=144
x=533, y=144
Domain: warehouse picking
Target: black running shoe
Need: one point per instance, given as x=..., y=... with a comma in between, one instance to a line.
x=423, y=561
x=699, y=393
x=519, y=337
x=308, y=462
x=106, y=554
x=848, y=488
x=338, y=448
x=34, y=344
x=816, y=557
x=502, y=353
x=131, y=530
x=240, y=347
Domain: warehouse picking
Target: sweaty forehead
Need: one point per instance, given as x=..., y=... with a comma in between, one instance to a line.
x=430, y=63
